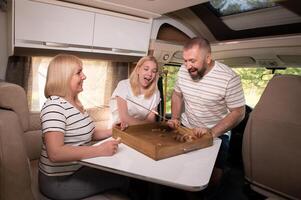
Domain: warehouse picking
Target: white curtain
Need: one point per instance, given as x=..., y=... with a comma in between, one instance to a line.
x=94, y=86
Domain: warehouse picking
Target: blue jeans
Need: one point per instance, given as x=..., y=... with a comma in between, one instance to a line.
x=222, y=155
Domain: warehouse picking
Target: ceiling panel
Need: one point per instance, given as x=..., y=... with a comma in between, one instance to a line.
x=141, y=8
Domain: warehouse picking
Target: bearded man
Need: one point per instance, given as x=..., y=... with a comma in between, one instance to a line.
x=208, y=97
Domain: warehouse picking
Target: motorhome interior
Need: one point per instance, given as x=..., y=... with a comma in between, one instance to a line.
x=259, y=39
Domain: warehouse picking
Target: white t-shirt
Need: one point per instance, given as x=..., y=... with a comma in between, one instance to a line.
x=208, y=101
x=124, y=91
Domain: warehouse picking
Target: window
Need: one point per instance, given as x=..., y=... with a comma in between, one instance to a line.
x=254, y=81
x=94, y=94
x=229, y=7
x=168, y=84
x=38, y=80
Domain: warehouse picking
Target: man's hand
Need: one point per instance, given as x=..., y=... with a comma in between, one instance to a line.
x=173, y=123
x=199, y=132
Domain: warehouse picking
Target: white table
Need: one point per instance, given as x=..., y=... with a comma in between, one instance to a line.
x=190, y=171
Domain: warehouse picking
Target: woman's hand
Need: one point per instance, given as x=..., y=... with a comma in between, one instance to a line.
x=109, y=148
x=122, y=125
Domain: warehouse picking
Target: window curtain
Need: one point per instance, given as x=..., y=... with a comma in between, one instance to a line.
x=34, y=88
x=18, y=72
x=117, y=71
x=30, y=73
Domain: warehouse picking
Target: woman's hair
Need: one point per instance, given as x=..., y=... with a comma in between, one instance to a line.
x=60, y=71
x=134, y=79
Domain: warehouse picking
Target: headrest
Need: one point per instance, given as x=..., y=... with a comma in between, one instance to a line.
x=13, y=97
x=281, y=99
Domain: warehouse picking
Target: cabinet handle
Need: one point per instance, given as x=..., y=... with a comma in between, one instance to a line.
x=53, y=44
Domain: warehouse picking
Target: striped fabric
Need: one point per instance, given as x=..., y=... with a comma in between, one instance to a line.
x=207, y=101
x=59, y=115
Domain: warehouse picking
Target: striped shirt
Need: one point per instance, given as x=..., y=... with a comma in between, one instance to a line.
x=208, y=100
x=59, y=115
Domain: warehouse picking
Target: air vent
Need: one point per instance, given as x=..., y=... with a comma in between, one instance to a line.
x=268, y=63
x=238, y=61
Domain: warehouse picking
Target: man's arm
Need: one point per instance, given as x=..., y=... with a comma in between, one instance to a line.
x=230, y=121
x=176, y=107
x=176, y=104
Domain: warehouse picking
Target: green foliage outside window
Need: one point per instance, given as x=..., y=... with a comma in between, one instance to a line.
x=254, y=81
x=171, y=80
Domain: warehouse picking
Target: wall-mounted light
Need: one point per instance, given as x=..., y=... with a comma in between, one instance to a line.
x=165, y=57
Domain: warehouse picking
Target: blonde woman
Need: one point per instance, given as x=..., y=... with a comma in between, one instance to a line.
x=67, y=132
x=141, y=88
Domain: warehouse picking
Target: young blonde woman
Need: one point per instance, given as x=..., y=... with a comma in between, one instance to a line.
x=141, y=88
x=67, y=132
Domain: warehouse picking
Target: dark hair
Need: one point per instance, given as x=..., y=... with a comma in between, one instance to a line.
x=199, y=41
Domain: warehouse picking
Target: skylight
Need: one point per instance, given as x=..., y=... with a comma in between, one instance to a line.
x=230, y=7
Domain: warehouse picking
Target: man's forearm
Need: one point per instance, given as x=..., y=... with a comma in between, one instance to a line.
x=176, y=105
x=229, y=122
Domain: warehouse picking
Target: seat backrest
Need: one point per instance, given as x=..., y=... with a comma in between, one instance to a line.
x=15, y=179
x=18, y=144
x=235, y=145
x=100, y=116
x=271, y=143
x=13, y=97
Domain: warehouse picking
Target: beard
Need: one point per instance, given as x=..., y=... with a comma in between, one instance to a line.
x=200, y=72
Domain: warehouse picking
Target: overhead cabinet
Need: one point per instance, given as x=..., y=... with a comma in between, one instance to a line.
x=55, y=26
x=121, y=34
x=52, y=24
